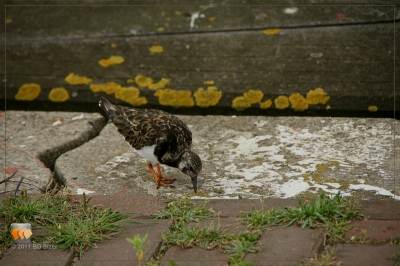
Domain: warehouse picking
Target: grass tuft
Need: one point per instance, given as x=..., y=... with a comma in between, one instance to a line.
x=335, y=213
x=68, y=224
x=184, y=211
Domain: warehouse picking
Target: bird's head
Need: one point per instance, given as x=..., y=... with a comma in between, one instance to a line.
x=190, y=164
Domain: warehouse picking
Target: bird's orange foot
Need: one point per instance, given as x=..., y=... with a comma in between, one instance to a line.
x=163, y=181
x=160, y=181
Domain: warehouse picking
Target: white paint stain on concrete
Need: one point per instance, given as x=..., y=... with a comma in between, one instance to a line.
x=378, y=190
x=78, y=117
x=275, y=164
x=80, y=191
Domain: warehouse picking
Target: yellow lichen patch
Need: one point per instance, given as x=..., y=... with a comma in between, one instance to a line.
x=271, y=31
x=112, y=60
x=328, y=107
x=240, y=103
x=317, y=96
x=208, y=82
x=131, y=96
x=109, y=87
x=321, y=179
x=178, y=13
x=323, y=167
x=281, y=102
x=211, y=19
x=174, y=98
x=9, y=20
x=160, y=29
x=253, y=96
x=372, y=108
x=113, y=45
x=58, y=95
x=73, y=79
x=28, y=92
x=207, y=98
x=130, y=80
x=159, y=85
x=298, y=102
x=306, y=177
x=267, y=104
x=143, y=81
x=156, y=49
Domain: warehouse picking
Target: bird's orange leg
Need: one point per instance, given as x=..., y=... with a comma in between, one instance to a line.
x=161, y=181
x=164, y=179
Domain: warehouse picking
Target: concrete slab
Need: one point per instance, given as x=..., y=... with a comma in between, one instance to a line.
x=26, y=172
x=381, y=209
x=281, y=246
x=47, y=135
x=98, y=166
x=366, y=255
x=27, y=254
x=33, y=141
x=254, y=157
x=375, y=230
x=118, y=251
x=194, y=257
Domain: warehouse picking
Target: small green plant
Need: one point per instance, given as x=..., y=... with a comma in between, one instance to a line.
x=335, y=213
x=138, y=245
x=84, y=230
x=336, y=230
x=395, y=241
x=69, y=224
x=5, y=239
x=242, y=244
x=396, y=258
x=184, y=211
x=322, y=211
x=326, y=258
x=363, y=240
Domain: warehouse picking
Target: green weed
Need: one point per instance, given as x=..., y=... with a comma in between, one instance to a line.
x=334, y=213
x=68, y=224
x=184, y=211
x=138, y=245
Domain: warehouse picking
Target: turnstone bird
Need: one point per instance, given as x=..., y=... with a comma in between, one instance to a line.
x=157, y=136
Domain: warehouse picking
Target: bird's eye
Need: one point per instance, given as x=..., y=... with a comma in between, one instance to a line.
x=191, y=168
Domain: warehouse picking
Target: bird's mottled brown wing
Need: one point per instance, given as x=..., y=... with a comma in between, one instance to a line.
x=146, y=127
x=142, y=127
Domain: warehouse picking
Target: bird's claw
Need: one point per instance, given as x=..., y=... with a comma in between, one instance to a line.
x=165, y=182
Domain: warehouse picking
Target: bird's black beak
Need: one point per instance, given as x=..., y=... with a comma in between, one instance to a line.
x=194, y=181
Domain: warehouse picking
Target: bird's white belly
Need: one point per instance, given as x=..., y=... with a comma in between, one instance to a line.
x=147, y=152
